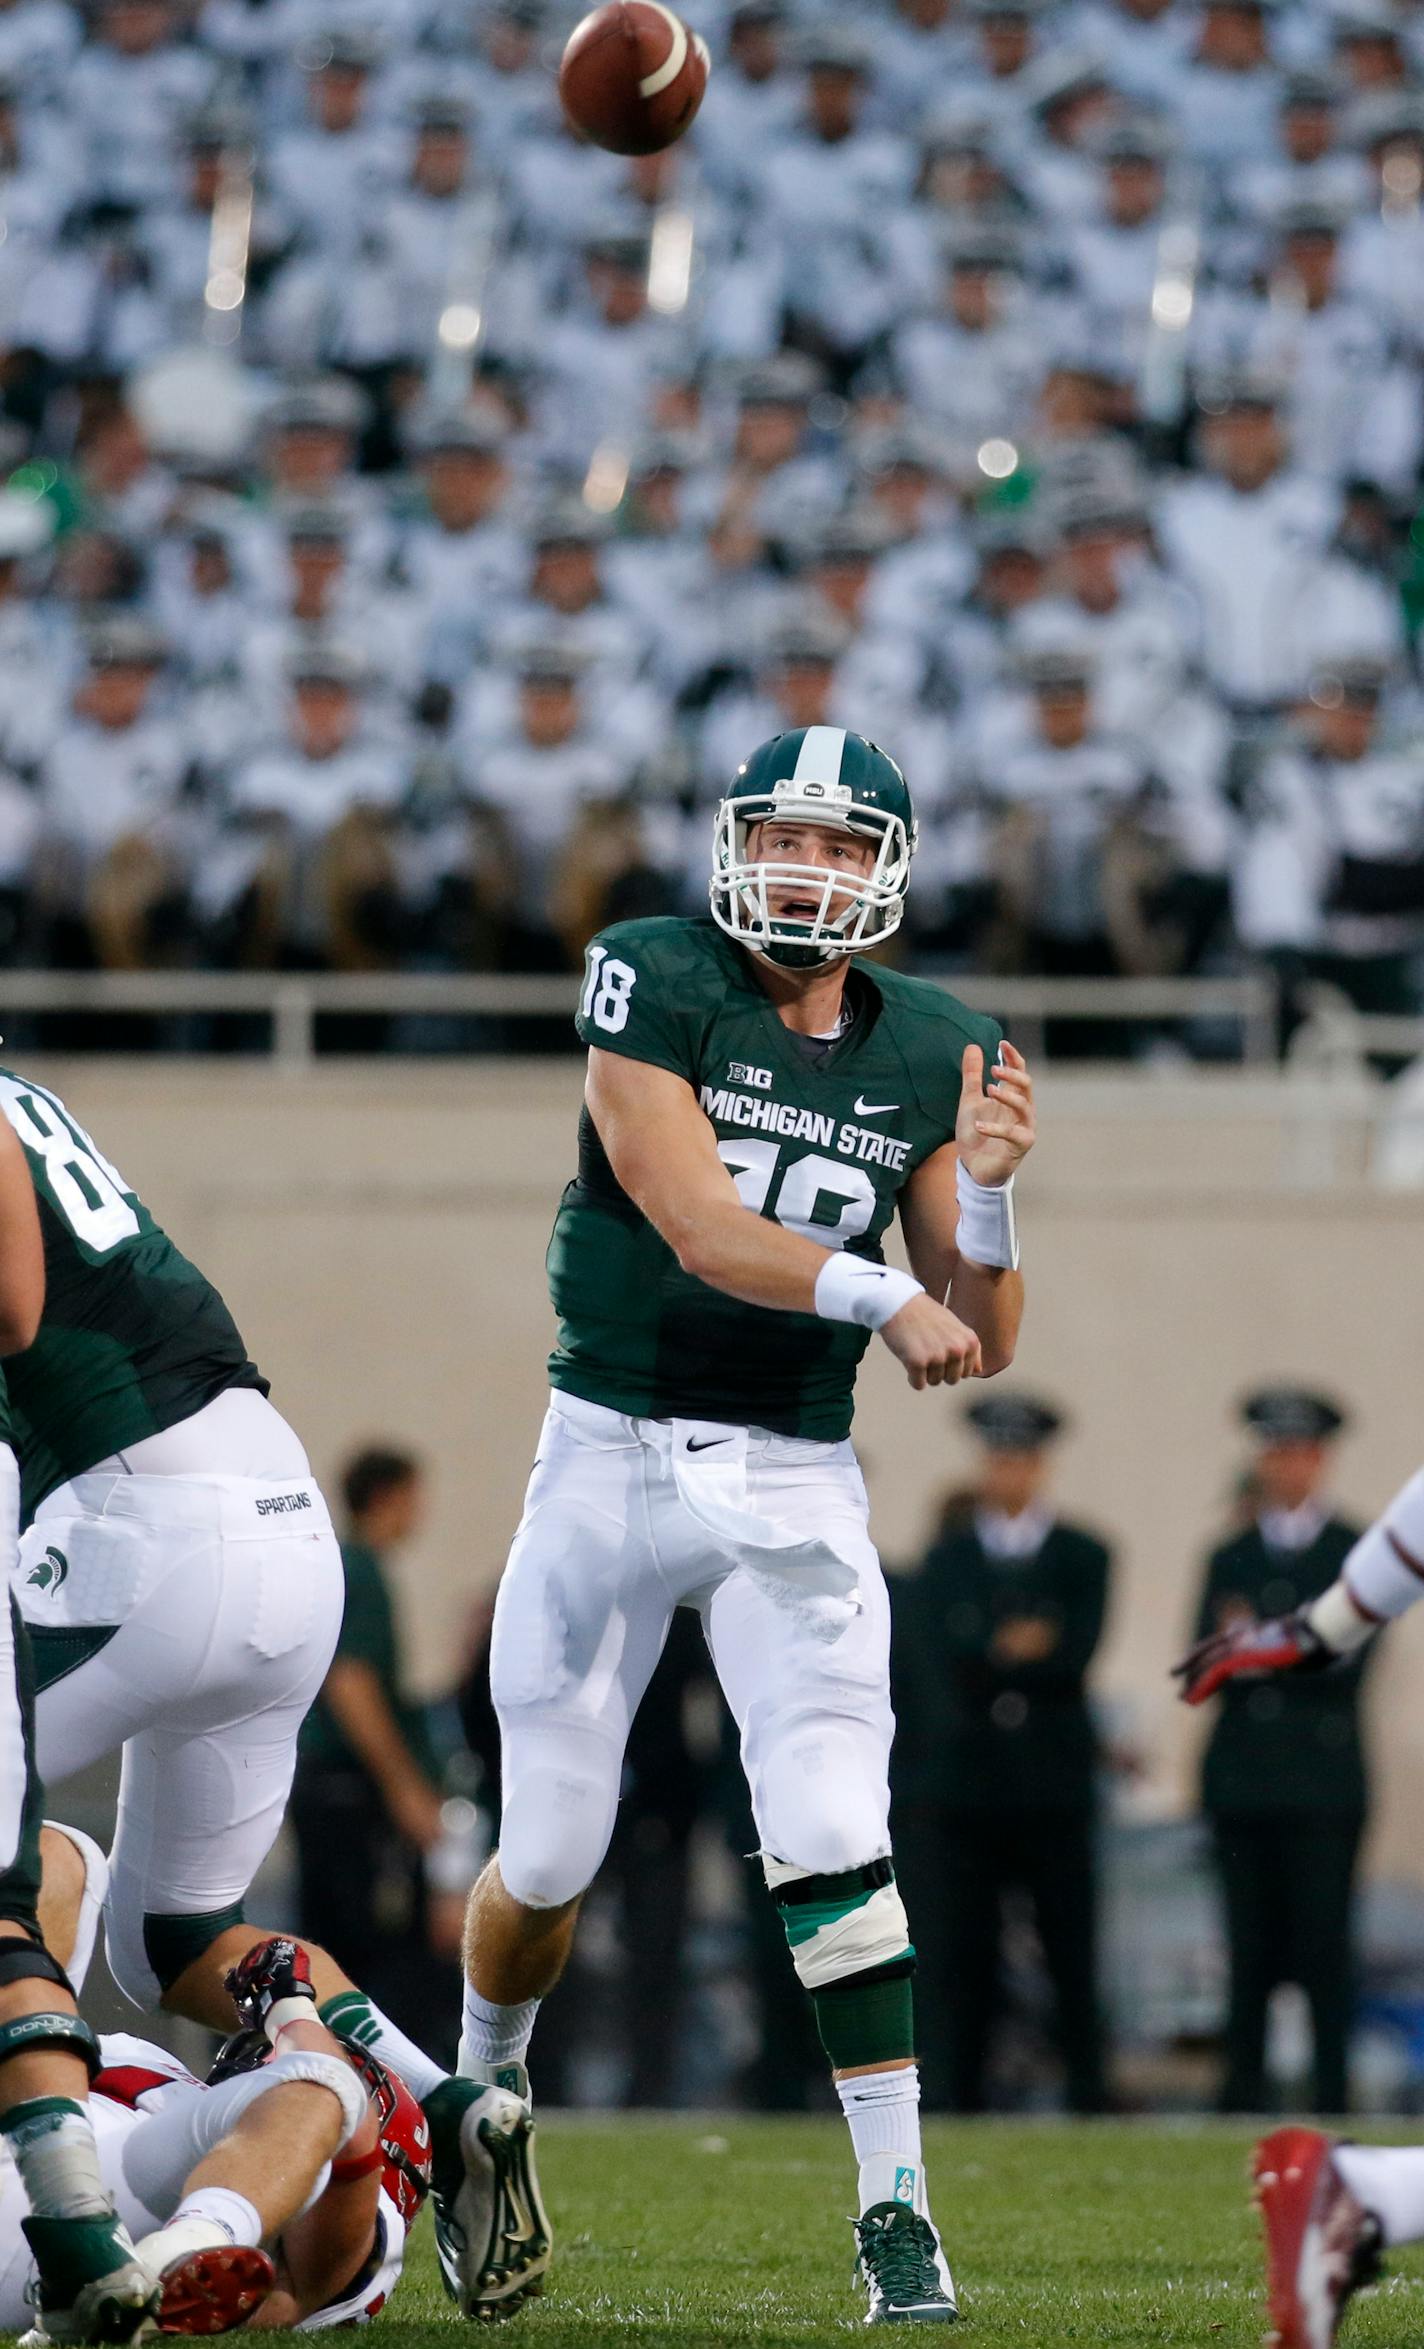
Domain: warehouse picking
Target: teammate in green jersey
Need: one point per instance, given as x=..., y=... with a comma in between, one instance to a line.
x=134, y=1341
x=183, y=1590
x=759, y=1107
x=178, y=1571
x=91, y=2285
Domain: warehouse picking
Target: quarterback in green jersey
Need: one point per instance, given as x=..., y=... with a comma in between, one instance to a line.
x=759, y=1107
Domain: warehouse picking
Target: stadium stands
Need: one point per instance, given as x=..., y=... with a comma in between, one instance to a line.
x=413, y=515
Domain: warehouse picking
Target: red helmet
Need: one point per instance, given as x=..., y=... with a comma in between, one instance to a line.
x=404, y=2133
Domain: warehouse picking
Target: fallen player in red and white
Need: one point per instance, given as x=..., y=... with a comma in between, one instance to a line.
x=1328, y=2209
x=279, y=2191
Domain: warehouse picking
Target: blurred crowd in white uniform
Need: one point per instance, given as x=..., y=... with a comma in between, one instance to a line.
x=413, y=515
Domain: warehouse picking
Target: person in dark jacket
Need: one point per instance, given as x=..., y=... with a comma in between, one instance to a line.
x=366, y=1802
x=1283, y=1781
x=995, y=1634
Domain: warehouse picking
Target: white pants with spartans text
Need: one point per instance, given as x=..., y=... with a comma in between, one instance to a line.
x=15, y=1787
x=626, y=1519
x=221, y=1595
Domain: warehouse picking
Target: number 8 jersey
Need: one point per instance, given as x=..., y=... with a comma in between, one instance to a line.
x=819, y=1136
x=133, y=1338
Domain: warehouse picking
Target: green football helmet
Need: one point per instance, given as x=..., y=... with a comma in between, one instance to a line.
x=815, y=775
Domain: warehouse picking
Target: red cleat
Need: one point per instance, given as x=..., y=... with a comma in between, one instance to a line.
x=1321, y=2246
x=214, y=2291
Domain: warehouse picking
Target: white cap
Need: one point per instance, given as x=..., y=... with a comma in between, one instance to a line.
x=26, y=525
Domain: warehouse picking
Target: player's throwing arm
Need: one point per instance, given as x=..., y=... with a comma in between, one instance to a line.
x=663, y=1151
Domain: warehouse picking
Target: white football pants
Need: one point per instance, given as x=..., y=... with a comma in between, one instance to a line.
x=202, y=1611
x=626, y=1519
x=17, y=1812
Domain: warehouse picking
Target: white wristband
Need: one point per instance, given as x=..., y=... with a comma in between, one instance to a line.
x=1337, y=1621
x=849, y=1289
x=988, y=1234
x=283, y=2012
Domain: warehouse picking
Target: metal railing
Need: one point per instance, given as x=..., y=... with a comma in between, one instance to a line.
x=1251, y=1003
x=1336, y=1034
x=291, y=1003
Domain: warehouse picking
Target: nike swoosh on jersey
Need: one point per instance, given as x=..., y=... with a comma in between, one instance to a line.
x=874, y=1108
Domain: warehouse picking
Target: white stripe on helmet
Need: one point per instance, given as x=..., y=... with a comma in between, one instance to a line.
x=820, y=755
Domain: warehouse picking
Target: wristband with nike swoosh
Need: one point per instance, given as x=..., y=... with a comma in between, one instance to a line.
x=850, y=1289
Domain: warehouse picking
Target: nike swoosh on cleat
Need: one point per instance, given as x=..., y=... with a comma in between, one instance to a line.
x=874, y=1108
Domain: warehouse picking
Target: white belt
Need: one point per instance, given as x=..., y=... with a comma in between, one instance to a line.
x=238, y=1507
x=99, y=1545
x=802, y=1573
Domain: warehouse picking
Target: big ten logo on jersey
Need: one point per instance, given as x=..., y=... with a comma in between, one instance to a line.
x=85, y=1190
x=739, y=1074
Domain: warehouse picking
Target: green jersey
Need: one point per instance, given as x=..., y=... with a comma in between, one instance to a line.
x=132, y=1339
x=369, y=1635
x=819, y=1137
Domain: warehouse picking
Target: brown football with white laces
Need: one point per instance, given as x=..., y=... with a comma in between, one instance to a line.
x=633, y=76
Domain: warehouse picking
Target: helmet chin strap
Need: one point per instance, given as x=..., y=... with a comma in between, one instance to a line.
x=817, y=953
x=812, y=944
x=789, y=957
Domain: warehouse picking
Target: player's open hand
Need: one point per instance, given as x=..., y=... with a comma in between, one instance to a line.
x=1250, y=1651
x=995, y=1130
x=937, y=1349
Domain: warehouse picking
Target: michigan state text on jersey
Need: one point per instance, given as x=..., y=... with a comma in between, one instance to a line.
x=821, y=1140
x=758, y=1110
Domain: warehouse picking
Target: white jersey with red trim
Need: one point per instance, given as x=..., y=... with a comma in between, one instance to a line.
x=369, y=2291
x=153, y=2120
x=136, y=2075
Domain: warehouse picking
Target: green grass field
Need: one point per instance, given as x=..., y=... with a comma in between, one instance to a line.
x=707, y=2231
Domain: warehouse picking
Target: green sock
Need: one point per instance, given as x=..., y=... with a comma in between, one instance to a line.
x=865, y=2015
x=866, y=2021
x=52, y=2140
x=351, y=2015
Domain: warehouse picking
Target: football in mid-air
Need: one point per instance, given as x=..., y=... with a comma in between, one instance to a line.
x=632, y=76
